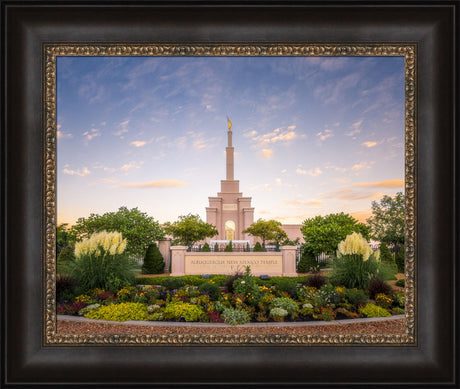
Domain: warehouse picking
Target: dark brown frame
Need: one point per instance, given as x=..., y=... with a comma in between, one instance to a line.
x=26, y=27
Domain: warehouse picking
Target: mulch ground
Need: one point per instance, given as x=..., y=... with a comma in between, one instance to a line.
x=379, y=327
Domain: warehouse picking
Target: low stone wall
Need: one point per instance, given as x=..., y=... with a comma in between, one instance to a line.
x=281, y=263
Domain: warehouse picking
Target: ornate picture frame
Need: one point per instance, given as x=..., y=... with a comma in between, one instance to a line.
x=35, y=34
x=52, y=51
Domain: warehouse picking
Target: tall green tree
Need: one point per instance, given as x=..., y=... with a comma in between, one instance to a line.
x=189, y=229
x=137, y=227
x=153, y=261
x=266, y=230
x=387, y=220
x=322, y=234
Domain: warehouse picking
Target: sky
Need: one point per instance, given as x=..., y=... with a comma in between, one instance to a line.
x=312, y=135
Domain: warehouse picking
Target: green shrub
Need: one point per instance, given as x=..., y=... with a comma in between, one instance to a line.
x=352, y=271
x=180, y=310
x=219, y=279
x=285, y=284
x=356, y=296
x=287, y=304
x=153, y=261
x=246, y=286
x=385, y=254
x=307, y=261
x=65, y=286
x=119, y=312
x=193, y=280
x=258, y=247
x=206, y=248
x=229, y=248
x=88, y=308
x=235, y=316
x=65, y=260
x=326, y=296
x=278, y=314
x=398, y=311
x=106, y=273
x=401, y=283
x=100, y=262
x=173, y=283
x=400, y=259
x=211, y=289
x=372, y=310
x=216, y=247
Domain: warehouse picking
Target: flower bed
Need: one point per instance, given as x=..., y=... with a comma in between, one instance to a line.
x=243, y=300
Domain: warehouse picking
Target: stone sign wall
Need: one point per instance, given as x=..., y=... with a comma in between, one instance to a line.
x=230, y=263
x=270, y=263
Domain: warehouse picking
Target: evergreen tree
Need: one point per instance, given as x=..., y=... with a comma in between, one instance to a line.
x=216, y=248
x=153, y=261
x=307, y=261
x=206, y=248
x=400, y=259
x=229, y=248
x=258, y=247
x=248, y=248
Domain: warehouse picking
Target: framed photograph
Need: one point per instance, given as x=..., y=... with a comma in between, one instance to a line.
x=62, y=51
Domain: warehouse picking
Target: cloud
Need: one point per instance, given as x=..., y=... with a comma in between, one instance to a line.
x=81, y=173
x=267, y=153
x=369, y=144
x=91, y=133
x=62, y=134
x=356, y=128
x=362, y=165
x=131, y=165
x=278, y=181
x=312, y=172
x=337, y=168
x=110, y=180
x=299, y=170
x=154, y=184
x=379, y=184
x=347, y=194
x=138, y=143
x=277, y=135
x=323, y=135
x=283, y=171
x=301, y=203
x=331, y=91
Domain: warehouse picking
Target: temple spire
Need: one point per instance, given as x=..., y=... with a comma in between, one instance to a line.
x=229, y=152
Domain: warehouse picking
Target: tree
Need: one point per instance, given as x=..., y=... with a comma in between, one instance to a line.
x=153, y=261
x=206, y=248
x=229, y=248
x=190, y=229
x=387, y=220
x=266, y=230
x=322, y=234
x=62, y=237
x=137, y=227
x=258, y=247
x=400, y=259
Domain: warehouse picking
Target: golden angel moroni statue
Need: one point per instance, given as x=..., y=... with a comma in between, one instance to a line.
x=229, y=124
